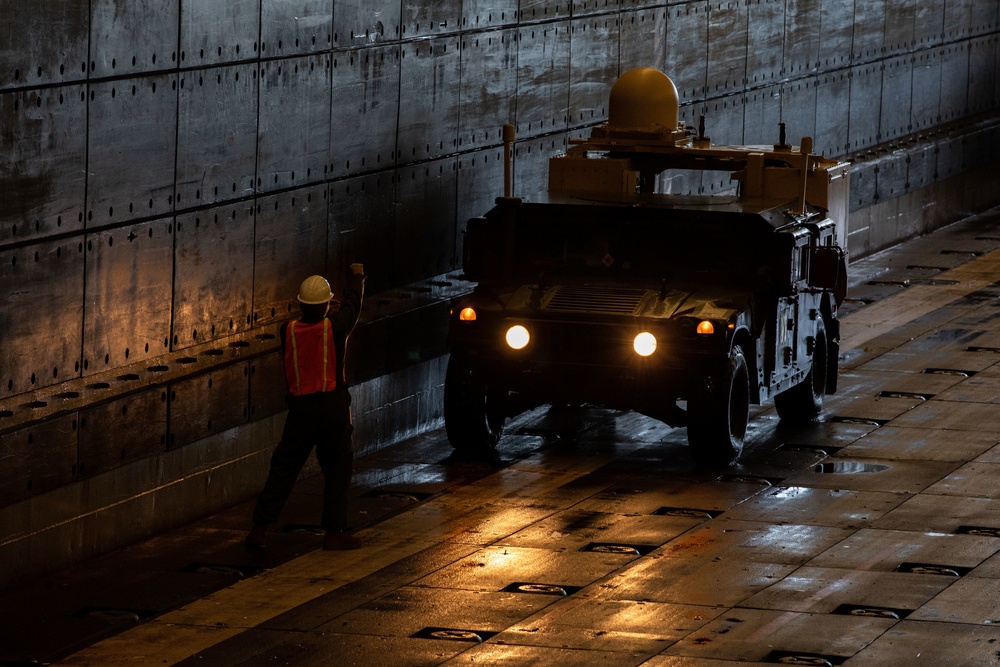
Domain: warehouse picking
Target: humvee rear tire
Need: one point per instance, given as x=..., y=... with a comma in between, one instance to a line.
x=718, y=416
x=473, y=414
x=805, y=400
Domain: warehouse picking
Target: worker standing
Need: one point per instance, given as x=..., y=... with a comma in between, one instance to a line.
x=319, y=409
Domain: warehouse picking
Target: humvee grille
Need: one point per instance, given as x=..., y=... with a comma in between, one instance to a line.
x=602, y=300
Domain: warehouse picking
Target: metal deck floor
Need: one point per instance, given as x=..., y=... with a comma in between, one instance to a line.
x=870, y=537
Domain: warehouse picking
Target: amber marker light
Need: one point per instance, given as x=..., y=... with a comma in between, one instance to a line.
x=644, y=344
x=705, y=328
x=467, y=314
x=517, y=337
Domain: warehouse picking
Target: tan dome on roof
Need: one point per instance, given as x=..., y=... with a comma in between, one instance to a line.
x=643, y=98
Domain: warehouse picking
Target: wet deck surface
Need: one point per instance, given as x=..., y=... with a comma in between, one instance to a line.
x=868, y=538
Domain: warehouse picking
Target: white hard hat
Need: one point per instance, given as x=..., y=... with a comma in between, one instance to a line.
x=315, y=290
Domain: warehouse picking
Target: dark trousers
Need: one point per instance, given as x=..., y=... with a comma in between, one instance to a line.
x=323, y=421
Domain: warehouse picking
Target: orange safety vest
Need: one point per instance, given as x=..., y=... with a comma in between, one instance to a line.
x=310, y=357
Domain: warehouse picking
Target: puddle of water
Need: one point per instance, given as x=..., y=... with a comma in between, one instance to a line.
x=848, y=467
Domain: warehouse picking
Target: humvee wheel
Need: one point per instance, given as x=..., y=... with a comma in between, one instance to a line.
x=473, y=415
x=718, y=416
x=805, y=400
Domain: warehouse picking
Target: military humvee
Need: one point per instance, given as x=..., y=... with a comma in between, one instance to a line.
x=604, y=291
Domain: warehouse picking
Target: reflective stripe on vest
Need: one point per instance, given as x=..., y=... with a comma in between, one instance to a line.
x=310, y=357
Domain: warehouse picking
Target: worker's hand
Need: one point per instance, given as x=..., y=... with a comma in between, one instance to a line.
x=358, y=269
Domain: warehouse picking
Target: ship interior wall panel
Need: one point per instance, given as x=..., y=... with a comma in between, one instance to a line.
x=488, y=87
x=587, y=7
x=958, y=19
x=920, y=166
x=481, y=14
x=897, y=92
x=127, y=313
x=765, y=41
x=295, y=27
x=480, y=181
x=761, y=115
x=724, y=118
x=428, y=18
x=358, y=23
x=950, y=158
x=428, y=122
x=982, y=59
x=954, y=82
x=26, y=59
x=365, y=98
x=41, y=327
x=38, y=458
x=361, y=228
x=425, y=218
x=890, y=177
x=926, y=110
x=900, y=26
x=869, y=30
x=219, y=32
x=542, y=10
x=832, y=89
x=138, y=36
x=864, y=185
x=131, y=148
x=985, y=16
x=866, y=105
x=643, y=39
x=593, y=59
x=212, y=289
x=43, y=163
x=293, y=135
x=798, y=113
x=687, y=49
x=836, y=34
x=216, y=152
x=207, y=404
x=542, y=79
x=289, y=241
x=801, y=35
x=728, y=34
x=928, y=23
x=139, y=425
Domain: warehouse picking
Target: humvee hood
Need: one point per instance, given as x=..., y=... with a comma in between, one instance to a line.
x=608, y=300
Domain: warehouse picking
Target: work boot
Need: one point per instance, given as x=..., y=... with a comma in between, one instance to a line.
x=338, y=540
x=255, y=538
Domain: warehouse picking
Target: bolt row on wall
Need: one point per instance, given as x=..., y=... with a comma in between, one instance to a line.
x=172, y=169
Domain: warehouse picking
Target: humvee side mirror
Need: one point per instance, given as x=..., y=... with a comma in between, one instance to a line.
x=828, y=269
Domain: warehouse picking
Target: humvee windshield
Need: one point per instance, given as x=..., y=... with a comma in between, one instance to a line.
x=643, y=247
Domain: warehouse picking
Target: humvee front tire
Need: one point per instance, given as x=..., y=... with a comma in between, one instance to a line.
x=473, y=414
x=805, y=400
x=718, y=415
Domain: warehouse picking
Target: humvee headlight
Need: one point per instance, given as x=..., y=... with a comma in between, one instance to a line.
x=705, y=328
x=517, y=337
x=467, y=315
x=644, y=344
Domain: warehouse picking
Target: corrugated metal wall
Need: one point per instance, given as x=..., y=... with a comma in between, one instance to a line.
x=171, y=169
